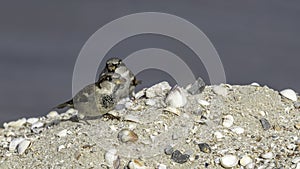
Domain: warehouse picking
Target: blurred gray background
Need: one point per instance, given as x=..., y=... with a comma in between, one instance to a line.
x=40, y=41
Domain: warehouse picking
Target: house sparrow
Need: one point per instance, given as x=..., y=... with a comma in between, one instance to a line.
x=117, y=66
x=98, y=98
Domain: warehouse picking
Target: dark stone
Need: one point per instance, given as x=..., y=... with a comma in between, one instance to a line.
x=204, y=147
x=265, y=124
x=197, y=87
x=180, y=158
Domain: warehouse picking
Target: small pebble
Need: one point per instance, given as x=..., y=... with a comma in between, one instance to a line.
x=23, y=146
x=297, y=126
x=52, y=115
x=267, y=155
x=180, y=158
x=204, y=147
x=203, y=102
x=228, y=161
x=245, y=160
x=265, y=124
x=220, y=90
x=169, y=150
x=289, y=94
x=228, y=121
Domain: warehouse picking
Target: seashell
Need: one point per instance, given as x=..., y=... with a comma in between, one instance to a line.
x=62, y=133
x=14, y=143
x=52, y=115
x=15, y=124
x=37, y=127
x=220, y=90
x=228, y=121
x=126, y=135
x=136, y=164
x=140, y=94
x=32, y=120
x=203, y=102
x=296, y=160
x=132, y=118
x=112, y=159
x=177, y=97
x=61, y=147
x=267, y=155
x=228, y=161
x=161, y=166
x=238, y=130
x=159, y=89
x=173, y=110
x=23, y=146
x=245, y=160
x=289, y=94
x=254, y=84
x=218, y=135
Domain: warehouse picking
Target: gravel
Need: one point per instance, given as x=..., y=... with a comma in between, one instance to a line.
x=263, y=132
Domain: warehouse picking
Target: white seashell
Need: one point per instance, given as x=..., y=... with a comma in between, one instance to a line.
x=203, y=102
x=126, y=135
x=161, y=166
x=132, y=118
x=173, y=110
x=62, y=133
x=15, y=124
x=136, y=164
x=14, y=143
x=255, y=84
x=150, y=102
x=218, y=135
x=111, y=157
x=159, y=89
x=228, y=161
x=177, y=97
x=32, y=120
x=220, y=90
x=296, y=160
x=290, y=94
x=267, y=155
x=238, y=130
x=23, y=146
x=140, y=94
x=61, y=147
x=52, y=115
x=37, y=127
x=245, y=160
x=228, y=121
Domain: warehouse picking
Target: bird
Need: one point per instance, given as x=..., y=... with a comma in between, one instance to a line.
x=116, y=65
x=96, y=99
